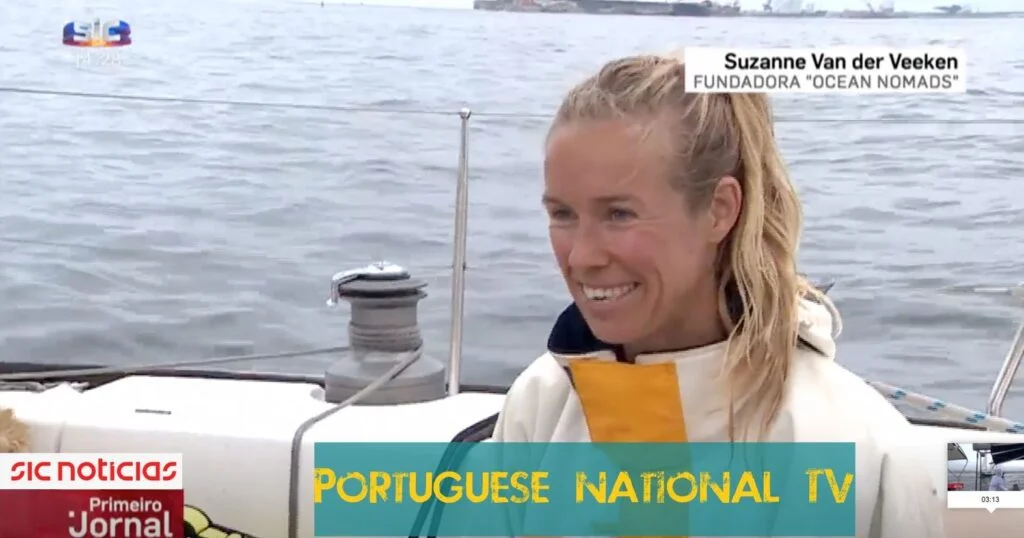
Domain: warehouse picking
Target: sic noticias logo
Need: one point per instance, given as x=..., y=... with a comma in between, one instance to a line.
x=98, y=43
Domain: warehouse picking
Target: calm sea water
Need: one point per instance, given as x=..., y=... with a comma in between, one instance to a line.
x=193, y=230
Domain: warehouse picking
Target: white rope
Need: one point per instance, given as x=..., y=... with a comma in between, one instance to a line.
x=947, y=410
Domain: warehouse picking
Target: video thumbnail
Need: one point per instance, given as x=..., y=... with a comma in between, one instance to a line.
x=985, y=475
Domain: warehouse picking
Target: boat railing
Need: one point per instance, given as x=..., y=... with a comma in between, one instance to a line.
x=458, y=299
x=1008, y=371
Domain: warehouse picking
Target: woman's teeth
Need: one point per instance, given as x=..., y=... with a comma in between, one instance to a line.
x=608, y=294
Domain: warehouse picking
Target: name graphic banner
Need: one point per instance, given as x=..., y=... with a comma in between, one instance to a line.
x=584, y=489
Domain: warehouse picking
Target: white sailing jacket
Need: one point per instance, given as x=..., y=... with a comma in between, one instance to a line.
x=579, y=392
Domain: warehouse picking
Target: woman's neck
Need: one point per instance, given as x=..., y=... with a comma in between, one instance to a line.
x=699, y=326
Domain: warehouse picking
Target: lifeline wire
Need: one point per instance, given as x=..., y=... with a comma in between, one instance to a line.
x=437, y=112
x=143, y=368
x=114, y=250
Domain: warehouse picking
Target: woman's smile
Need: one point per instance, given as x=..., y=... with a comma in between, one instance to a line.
x=608, y=302
x=608, y=293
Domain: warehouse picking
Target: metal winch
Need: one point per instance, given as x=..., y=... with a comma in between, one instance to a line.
x=383, y=328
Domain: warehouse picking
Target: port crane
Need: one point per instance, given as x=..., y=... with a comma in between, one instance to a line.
x=887, y=7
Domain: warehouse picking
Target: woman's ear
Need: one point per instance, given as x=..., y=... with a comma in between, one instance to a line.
x=724, y=209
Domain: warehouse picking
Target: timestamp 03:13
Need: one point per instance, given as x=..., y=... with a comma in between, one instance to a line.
x=98, y=58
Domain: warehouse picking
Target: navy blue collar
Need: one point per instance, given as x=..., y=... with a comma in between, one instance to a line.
x=572, y=336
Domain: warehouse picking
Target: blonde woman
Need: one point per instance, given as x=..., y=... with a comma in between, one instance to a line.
x=675, y=225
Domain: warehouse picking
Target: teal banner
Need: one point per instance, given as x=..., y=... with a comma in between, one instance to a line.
x=584, y=489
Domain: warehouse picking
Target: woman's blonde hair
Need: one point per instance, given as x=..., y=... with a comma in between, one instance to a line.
x=713, y=136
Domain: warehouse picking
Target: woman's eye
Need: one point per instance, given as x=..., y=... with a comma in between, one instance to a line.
x=560, y=214
x=620, y=214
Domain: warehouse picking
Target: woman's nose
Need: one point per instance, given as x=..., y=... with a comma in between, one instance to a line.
x=588, y=250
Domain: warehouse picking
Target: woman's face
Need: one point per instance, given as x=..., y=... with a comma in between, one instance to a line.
x=638, y=261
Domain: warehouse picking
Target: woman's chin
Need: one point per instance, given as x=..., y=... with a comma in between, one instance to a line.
x=613, y=332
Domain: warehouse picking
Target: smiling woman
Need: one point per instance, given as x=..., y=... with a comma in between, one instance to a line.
x=675, y=226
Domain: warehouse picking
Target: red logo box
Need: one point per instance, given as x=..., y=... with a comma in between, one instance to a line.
x=91, y=496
